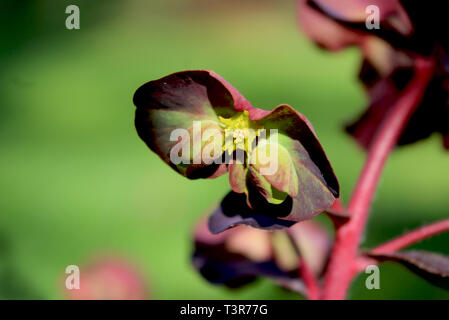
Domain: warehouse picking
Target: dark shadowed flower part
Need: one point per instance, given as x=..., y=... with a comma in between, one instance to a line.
x=239, y=256
x=303, y=183
x=408, y=29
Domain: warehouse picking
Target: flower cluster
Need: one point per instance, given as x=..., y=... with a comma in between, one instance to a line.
x=408, y=30
x=279, y=175
x=239, y=256
x=303, y=183
x=109, y=278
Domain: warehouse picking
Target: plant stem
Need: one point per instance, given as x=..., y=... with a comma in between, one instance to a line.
x=412, y=237
x=305, y=273
x=310, y=281
x=342, y=265
x=403, y=241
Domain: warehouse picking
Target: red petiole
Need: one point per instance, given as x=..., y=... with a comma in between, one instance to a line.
x=344, y=264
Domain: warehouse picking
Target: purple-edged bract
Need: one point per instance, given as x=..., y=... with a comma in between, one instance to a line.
x=304, y=183
x=239, y=256
x=407, y=29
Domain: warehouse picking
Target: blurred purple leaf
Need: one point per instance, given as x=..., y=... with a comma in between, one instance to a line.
x=431, y=266
x=239, y=256
x=407, y=29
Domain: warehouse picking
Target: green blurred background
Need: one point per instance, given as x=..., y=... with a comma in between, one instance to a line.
x=77, y=182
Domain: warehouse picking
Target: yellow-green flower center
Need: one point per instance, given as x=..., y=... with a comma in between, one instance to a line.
x=240, y=131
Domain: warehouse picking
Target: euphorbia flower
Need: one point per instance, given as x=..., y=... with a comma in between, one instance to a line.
x=408, y=29
x=239, y=256
x=109, y=279
x=175, y=116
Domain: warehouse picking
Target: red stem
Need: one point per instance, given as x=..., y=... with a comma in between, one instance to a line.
x=305, y=273
x=310, y=281
x=412, y=237
x=342, y=265
x=403, y=241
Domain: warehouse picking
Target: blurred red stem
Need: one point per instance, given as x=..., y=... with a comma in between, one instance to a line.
x=305, y=273
x=412, y=237
x=403, y=241
x=342, y=265
x=310, y=281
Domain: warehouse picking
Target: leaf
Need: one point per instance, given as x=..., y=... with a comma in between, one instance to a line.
x=338, y=217
x=325, y=32
x=433, y=267
x=177, y=100
x=352, y=14
x=236, y=172
x=284, y=178
x=265, y=188
x=309, y=239
x=388, y=58
x=236, y=257
x=314, y=242
x=234, y=211
x=430, y=116
x=310, y=181
x=355, y=10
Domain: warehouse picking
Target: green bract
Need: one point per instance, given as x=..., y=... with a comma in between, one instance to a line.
x=203, y=127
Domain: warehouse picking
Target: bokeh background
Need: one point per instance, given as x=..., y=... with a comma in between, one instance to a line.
x=77, y=183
